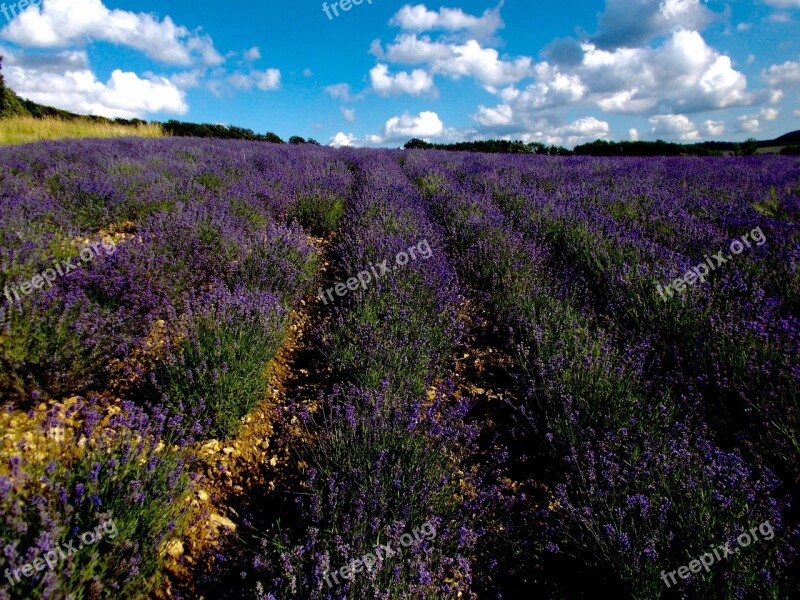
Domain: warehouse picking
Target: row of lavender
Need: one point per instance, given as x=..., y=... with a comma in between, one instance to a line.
x=624, y=388
x=624, y=230
x=201, y=257
x=640, y=416
x=391, y=448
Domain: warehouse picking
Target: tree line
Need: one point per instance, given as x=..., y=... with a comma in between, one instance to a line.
x=605, y=148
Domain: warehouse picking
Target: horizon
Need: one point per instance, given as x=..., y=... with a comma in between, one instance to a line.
x=378, y=74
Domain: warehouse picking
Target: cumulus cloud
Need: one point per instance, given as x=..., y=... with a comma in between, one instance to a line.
x=65, y=81
x=416, y=83
x=418, y=19
x=342, y=139
x=455, y=61
x=186, y=80
x=342, y=91
x=65, y=23
x=631, y=23
x=586, y=128
x=748, y=123
x=684, y=74
x=712, y=128
x=501, y=115
x=674, y=127
x=253, y=54
x=504, y=123
x=752, y=123
x=552, y=88
x=769, y=114
x=786, y=74
x=266, y=81
x=426, y=125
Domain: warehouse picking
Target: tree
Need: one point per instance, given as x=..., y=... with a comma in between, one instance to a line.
x=296, y=139
x=417, y=143
x=749, y=147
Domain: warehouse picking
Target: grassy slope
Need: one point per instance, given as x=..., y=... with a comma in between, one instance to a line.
x=23, y=121
x=21, y=130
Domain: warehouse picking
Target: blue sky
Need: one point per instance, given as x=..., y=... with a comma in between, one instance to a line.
x=379, y=74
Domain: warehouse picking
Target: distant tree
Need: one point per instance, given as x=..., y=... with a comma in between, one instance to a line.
x=559, y=151
x=312, y=141
x=10, y=103
x=790, y=151
x=296, y=139
x=273, y=138
x=640, y=148
x=417, y=143
x=537, y=148
x=749, y=147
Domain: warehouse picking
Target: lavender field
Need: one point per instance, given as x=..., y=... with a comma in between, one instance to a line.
x=249, y=370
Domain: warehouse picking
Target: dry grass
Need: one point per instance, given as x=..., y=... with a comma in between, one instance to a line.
x=21, y=130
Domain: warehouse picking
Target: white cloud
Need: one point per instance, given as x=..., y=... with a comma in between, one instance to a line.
x=349, y=114
x=631, y=23
x=65, y=23
x=187, y=79
x=417, y=83
x=786, y=74
x=780, y=17
x=502, y=114
x=469, y=59
x=65, y=81
x=426, y=125
x=796, y=112
x=749, y=123
x=553, y=88
x=633, y=134
x=502, y=122
x=769, y=114
x=308, y=73
x=266, y=81
x=418, y=19
x=682, y=75
x=583, y=129
x=342, y=139
x=712, y=128
x=342, y=91
x=253, y=54
x=674, y=127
